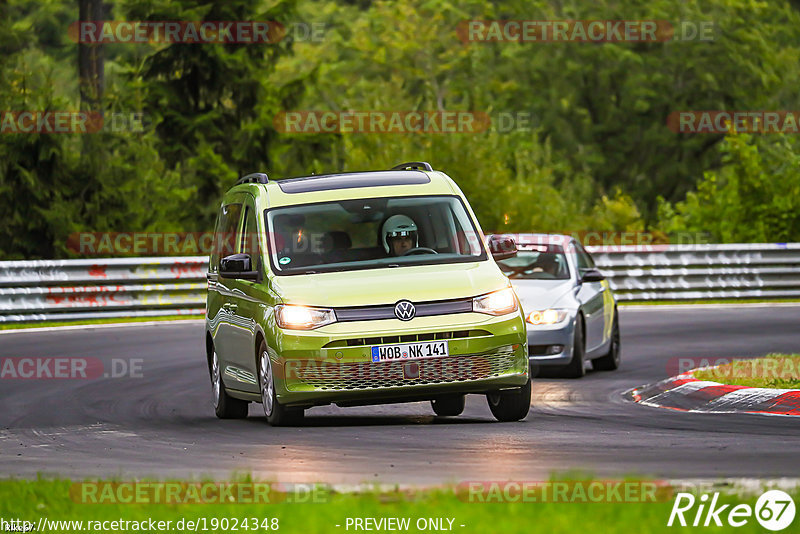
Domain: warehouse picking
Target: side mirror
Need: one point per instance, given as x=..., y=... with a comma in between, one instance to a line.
x=238, y=266
x=502, y=247
x=592, y=275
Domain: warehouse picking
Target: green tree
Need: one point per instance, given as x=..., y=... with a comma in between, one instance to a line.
x=754, y=197
x=209, y=101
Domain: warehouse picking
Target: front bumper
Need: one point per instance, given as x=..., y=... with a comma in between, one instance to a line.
x=542, y=339
x=333, y=364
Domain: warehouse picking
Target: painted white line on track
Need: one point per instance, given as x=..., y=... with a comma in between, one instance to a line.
x=740, y=398
x=683, y=389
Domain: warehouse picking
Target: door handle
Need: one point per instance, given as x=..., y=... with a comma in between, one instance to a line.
x=230, y=306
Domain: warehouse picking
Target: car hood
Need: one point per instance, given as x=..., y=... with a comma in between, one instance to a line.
x=541, y=294
x=369, y=287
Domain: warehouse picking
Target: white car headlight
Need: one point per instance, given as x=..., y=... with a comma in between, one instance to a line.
x=496, y=303
x=303, y=317
x=548, y=316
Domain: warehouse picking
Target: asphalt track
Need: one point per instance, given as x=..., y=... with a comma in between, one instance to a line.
x=162, y=424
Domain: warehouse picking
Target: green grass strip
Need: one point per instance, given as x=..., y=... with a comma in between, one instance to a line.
x=31, y=500
x=780, y=371
x=110, y=320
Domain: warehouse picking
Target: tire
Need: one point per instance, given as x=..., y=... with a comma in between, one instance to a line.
x=451, y=405
x=611, y=361
x=511, y=405
x=225, y=406
x=576, y=367
x=277, y=414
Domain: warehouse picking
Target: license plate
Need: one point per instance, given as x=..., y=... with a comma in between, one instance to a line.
x=409, y=351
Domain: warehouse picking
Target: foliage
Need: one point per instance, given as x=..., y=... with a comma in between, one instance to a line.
x=596, y=156
x=754, y=197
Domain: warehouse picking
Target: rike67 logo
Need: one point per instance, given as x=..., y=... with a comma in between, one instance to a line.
x=774, y=510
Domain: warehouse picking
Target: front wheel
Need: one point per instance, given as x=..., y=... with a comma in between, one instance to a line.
x=511, y=405
x=611, y=360
x=449, y=406
x=225, y=406
x=575, y=368
x=277, y=414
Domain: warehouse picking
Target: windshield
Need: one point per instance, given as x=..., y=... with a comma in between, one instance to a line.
x=537, y=262
x=371, y=233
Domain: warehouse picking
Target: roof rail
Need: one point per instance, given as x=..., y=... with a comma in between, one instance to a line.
x=413, y=165
x=255, y=178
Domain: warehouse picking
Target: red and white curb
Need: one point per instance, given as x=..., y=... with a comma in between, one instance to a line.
x=688, y=394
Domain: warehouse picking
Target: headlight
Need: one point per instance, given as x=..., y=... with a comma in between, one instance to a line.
x=303, y=317
x=547, y=316
x=496, y=303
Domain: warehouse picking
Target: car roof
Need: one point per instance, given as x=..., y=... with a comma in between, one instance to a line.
x=351, y=185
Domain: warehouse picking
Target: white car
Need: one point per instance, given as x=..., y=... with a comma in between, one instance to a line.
x=570, y=311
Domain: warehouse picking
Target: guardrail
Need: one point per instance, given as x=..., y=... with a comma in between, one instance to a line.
x=52, y=290
x=701, y=272
x=141, y=287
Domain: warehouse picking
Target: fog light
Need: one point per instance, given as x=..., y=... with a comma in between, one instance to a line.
x=555, y=349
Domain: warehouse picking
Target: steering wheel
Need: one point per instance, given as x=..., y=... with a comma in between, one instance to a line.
x=516, y=271
x=419, y=250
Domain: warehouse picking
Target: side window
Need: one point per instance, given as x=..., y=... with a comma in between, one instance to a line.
x=584, y=260
x=248, y=239
x=227, y=224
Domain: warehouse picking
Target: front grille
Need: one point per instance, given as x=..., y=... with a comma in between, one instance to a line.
x=407, y=338
x=330, y=376
x=387, y=311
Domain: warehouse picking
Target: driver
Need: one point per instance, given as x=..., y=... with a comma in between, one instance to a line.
x=399, y=234
x=548, y=264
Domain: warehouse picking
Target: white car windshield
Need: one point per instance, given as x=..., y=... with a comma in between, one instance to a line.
x=371, y=233
x=537, y=262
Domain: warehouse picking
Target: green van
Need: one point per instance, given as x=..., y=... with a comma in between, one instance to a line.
x=358, y=289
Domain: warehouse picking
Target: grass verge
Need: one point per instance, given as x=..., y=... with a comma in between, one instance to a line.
x=781, y=371
x=57, y=500
x=110, y=320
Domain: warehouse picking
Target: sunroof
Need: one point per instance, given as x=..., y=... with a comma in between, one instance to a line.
x=352, y=180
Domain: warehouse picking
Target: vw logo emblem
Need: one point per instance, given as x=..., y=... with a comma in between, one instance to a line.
x=404, y=310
